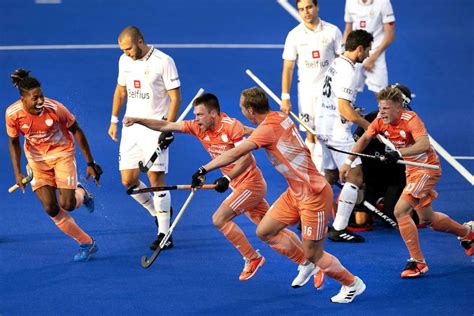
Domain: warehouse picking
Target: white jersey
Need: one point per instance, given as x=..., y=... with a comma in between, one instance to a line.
x=339, y=83
x=147, y=81
x=313, y=52
x=370, y=16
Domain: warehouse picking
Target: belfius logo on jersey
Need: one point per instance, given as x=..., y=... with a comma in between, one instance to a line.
x=137, y=93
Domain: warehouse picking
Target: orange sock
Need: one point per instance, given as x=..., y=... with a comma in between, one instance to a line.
x=237, y=237
x=410, y=237
x=68, y=226
x=284, y=244
x=333, y=268
x=79, y=193
x=443, y=223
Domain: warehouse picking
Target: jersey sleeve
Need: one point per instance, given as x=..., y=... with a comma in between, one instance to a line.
x=387, y=12
x=417, y=128
x=121, y=80
x=338, y=43
x=170, y=75
x=237, y=132
x=190, y=127
x=263, y=136
x=374, y=128
x=65, y=117
x=12, y=128
x=289, y=51
x=343, y=83
x=347, y=14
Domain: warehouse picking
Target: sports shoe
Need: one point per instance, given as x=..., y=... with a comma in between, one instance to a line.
x=88, y=199
x=344, y=236
x=414, y=269
x=348, y=293
x=86, y=251
x=467, y=241
x=318, y=280
x=251, y=267
x=169, y=243
x=304, y=274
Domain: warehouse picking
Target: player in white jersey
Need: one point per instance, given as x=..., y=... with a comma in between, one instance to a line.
x=377, y=18
x=149, y=81
x=312, y=45
x=333, y=127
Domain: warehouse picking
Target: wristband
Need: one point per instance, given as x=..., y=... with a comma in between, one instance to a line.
x=114, y=119
x=91, y=164
x=348, y=162
x=285, y=96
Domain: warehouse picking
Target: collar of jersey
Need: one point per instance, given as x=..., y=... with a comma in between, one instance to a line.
x=319, y=28
x=348, y=60
x=148, y=55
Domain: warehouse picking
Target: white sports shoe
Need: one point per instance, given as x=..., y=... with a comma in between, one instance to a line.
x=348, y=293
x=305, y=273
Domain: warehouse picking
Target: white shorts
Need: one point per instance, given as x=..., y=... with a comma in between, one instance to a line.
x=307, y=100
x=333, y=160
x=375, y=80
x=138, y=143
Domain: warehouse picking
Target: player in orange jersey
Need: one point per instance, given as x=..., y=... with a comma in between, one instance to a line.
x=308, y=198
x=48, y=129
x=408, y=133
x=218, y=133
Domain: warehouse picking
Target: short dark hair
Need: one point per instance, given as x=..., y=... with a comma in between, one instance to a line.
x=256, y=99
x=209, y=101
x=22, y=80
x=132, y=31
x=390, y=93
x=357, y=38
x=315, y=2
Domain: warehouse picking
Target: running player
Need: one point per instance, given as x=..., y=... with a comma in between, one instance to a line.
x=308, y=198
x=312, y=45
x=149, y=81
x=218, y=133
x=48, y=129
x=333, y=127
x=408, y=133
x=377, y=18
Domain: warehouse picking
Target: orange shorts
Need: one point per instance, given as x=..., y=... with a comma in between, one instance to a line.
x=248, y=197
x=313, y=212
x=58, y=172
x=419, y=191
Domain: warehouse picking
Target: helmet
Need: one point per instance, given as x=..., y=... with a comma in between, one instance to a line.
x=406, y=93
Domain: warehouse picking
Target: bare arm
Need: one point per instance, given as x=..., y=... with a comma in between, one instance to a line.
x=421, y=145
x=358, y=147
x=175, y=96
x=388, y=38
x=286, y=79
x=232, y=155
x=348, y=112
x=81, y=140
x=248, y=130
x=15, y=156
x=157, y=125
x=120, y=95
x=347, y=30
x=240, y=166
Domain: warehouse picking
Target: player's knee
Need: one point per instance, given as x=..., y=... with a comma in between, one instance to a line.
x=218, y=221
x=264, y=234
x=68, y=205
x=128, y=183
x=312, y=251
x=51, y=209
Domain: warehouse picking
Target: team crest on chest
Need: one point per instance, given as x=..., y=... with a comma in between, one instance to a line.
x=48, y=122
x=224, y=138
x=324, y=41
x=403, y=134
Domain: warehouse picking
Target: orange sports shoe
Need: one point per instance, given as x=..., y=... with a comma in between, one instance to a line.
x=414, y=268
x=318, y=280
x=251, y=267
x=467, y=241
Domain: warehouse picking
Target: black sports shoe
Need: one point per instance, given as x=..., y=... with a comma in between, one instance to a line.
x=169, y=244
x=344, y=236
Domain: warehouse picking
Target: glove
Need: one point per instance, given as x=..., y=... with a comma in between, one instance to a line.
x=199, y=178
x=222, y=184
x=165, y=140
x=391, y=157
x=97, y=169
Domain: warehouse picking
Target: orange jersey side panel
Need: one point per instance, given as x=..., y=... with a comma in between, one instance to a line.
x=225, y=136
x=285, y=148
x=46, y=135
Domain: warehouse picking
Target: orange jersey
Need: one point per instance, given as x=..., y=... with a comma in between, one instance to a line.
x=403, y=133
x=46, y=135
x=227, y=134
x=285, y=148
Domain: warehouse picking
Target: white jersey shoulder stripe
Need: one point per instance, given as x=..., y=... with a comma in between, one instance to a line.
x=12, y=111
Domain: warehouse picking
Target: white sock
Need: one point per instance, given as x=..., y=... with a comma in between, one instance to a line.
x=162, y=202
x=346, y=204
x=145, y=199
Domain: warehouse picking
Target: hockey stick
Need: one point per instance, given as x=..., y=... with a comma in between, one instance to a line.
x=149, y=164
x=277, y=99
x=134, y=190
x=25, y=180
x=147, y=262
x=401, y=162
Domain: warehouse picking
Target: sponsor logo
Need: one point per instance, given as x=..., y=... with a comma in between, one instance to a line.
x=174, y=79
x=362, y=24
x=137, y=84
x=49, y=122
x=137, y=94
x=316, y=63
x=316, y=54
x=25, y=126
x=348, y=91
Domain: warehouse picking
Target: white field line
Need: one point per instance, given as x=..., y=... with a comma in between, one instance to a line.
x=109, y=46
x=450, y=159
x=464, y=157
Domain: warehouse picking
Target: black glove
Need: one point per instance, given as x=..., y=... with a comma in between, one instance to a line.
x=198, y=178
x=97, y=169
x=165, y=140
x=222, y=184
x=391, y=157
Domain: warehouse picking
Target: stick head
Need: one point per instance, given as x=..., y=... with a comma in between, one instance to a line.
x=29, y=175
